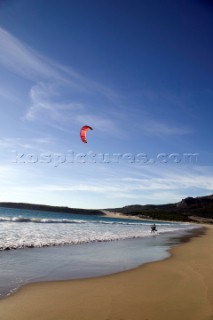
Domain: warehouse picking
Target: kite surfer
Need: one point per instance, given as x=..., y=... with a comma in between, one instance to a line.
x=153, y=228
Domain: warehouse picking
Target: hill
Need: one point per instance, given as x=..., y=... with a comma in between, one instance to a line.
x=42, y=207
x=198, y=209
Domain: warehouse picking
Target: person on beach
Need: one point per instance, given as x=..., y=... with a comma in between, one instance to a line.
x=153, y=228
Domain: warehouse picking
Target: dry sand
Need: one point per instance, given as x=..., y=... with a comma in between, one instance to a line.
x=179, y=288
x=109, y=214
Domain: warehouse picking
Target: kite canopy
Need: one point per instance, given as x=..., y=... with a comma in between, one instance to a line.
x=83, y=133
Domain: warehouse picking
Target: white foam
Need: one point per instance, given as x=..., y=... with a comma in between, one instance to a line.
x=22, y=232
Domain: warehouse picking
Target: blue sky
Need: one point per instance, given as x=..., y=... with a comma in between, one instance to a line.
x=138, y=72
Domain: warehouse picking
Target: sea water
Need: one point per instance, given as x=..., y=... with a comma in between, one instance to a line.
x=42, y=246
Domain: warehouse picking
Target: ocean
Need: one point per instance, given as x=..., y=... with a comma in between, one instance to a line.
x=43, y=246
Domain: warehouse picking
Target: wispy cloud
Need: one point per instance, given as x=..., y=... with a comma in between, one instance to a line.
x=59, y=95
x=100, y=123
x=88, y=84
x=23, y=60
x=6, y=95
x=57, y=92
x=155, y=184
x=149, y=185
x=173, y=182
x=43, y=96
x=159, y=128
x=38, y=144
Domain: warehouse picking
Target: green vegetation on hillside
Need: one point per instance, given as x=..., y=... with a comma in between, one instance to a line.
x=185, y=210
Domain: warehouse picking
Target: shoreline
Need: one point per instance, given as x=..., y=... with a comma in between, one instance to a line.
x=178, y=287
x=88, y=260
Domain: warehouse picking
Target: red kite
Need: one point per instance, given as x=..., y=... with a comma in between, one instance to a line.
x=83, y=133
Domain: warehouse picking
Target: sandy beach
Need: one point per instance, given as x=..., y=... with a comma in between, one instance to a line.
x=119, y=215
x=180, y=287
x=109, y=214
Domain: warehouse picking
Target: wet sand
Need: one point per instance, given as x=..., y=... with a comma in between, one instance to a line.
x=180, y=287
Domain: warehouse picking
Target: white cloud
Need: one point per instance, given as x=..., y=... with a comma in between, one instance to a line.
x=155, y=127
x=173, y=182
x=38, y=144
x=57, y=91
x=44, y=106
x=23, y=60
x=153, y=186
x=100, y=123
x=146, y=186
x=8, y=95
x=43, y=103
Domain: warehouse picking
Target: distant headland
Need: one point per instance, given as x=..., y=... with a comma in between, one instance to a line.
x=43, y=207
x=199, y=209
